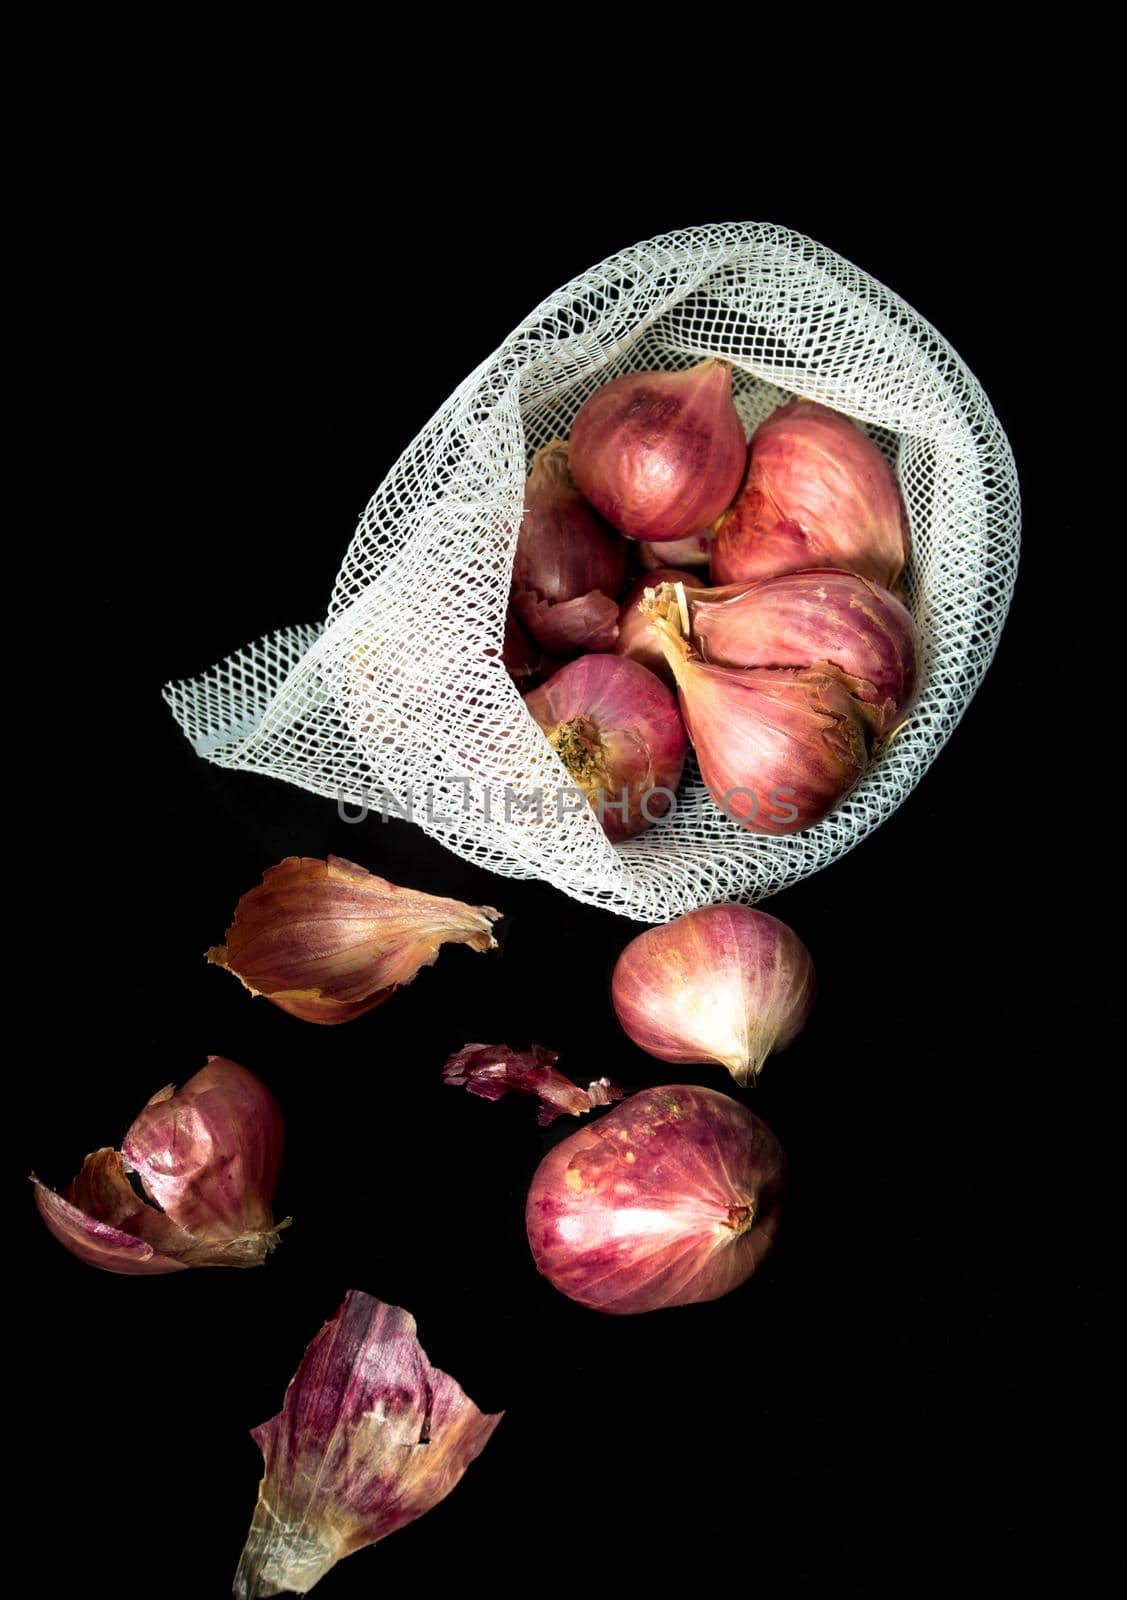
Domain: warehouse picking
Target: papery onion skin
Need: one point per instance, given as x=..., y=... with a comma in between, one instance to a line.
x=778, y=748
x=660, y=454
x=116, y=1232
x=615, y=726
x=569, y=566
x=815, y=614
x=818, y=492
x=327, y=940
x=208, y=1156
x=636, y=637
x=370, y=1436
x=725, y=983
x=673, y=1197
x=493, y=1071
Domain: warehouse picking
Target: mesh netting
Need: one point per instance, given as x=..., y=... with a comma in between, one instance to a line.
x=399, y=701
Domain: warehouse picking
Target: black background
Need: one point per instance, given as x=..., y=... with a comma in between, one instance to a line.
x=232, y=356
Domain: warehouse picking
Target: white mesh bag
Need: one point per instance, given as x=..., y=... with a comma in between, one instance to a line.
x=399, y=701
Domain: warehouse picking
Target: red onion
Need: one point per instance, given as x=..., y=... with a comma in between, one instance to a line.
x=811, y=616
x=818, y=492
x=660, y=454
x=636, y=637
x=618, y=732
x=696, y=551
x=569, y=565
x=369, y=1437
x=778, y=747
x=208, y=1158
x=672, y=1197
x=725, y=984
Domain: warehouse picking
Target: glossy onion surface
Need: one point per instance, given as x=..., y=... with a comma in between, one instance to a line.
x=671, y=1198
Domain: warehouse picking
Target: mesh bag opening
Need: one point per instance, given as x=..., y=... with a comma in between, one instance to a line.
x=399, y=701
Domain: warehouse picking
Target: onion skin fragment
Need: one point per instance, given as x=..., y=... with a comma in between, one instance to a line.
x=672, y=1198
x=370, y=1436
x=615, y=727
x=99, y=1219
x=208, y=1155
x=817, y=492
x=328, y=941
x=660, y=454
x=569, y=564
x=493, y=1071
x=724, y=984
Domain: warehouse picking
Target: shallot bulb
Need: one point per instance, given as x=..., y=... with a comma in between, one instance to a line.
x=569, y=565
x=672, y=1197
x=636, y=637
x=207, y=1156
x=778, y=747
x=816, y=614
x=618, y=732
x=818, y=492
x=725, y=984
x=660, y=454
x=327, y=940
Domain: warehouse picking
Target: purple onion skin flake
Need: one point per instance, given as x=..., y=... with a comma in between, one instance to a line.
x=493, y=1071
x=207, y=1157
x=369, y=1437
